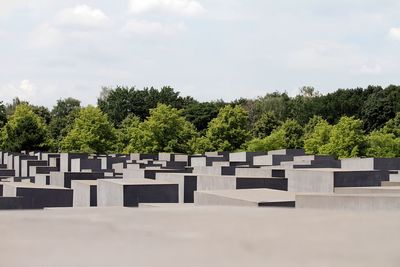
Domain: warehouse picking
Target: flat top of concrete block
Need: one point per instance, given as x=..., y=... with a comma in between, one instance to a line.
x=329, y=170
x=32, y=185
x=255, y=195
x=86, y=182
x=335, y=195
x=134, y=181
x=374, y=189
x=166, y=205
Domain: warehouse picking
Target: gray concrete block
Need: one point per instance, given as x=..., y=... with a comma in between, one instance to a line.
x=64, y=178
x=325, y=180
x=39, y=196
x=368, y=190
x=85, y=193
x=79, y=164
x=26, y=165
x=131, y=192
x=292, y=152
x=245, y=197
x=187, y=184
x=271, y=160
x=12, y=203
x=371, y=164
x=364, y=202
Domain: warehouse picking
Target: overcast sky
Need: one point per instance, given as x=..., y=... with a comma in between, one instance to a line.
x=209, y=49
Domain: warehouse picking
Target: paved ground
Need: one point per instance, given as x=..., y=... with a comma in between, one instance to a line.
x=198, y=236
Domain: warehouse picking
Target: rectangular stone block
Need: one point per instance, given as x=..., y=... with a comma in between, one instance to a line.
x=26, y=165
x=64, y=178
x=39, y=196
x=187, y=184
x=149, y=173
x=371, y=164
x=292, y=152
x=85, y=193
x=12, y=203
x=271, y=160
x=245, y=197
x=79, y=164
x=325, y=180
x=364, y=202
x=131, y=192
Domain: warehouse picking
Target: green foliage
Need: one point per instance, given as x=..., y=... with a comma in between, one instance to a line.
x=380, y=106
x=63, y=116
x=200, y=114
x=346, y=139
x=265, y=125
x=124, y=132
x=317, y=137
x=3, y=115
x=293, y=134
x=118, y=103
x=393, y=126
x=288, y=135
x=165, y=130
x=228, y=131
x=276, y=140
x=382, y=145
x=91, y=133
x=25, y=130
x=278, y=103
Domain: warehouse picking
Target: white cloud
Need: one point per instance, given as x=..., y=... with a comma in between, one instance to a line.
x=367, y=69
x=183, y=7
x=82, y=15
x=45, y=35
x=150, y=27
x=394, y=33
x=24, y=91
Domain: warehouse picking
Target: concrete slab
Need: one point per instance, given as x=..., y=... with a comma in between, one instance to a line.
x=365, y=202
x=131, y=192
x=245, y=197
x=85, y=193
x=368, y=190
x=38, y=196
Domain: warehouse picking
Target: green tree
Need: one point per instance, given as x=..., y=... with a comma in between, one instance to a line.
x=3, y=115
x=91, y=133
x=380, y=107
x=200, y=114
x=265, y=125
x=393, y=126
x=118, y=103
x=63, y=116
x=382, y=145
x=346, y=139
x=278, y=103
x=165, y=130
x=125, y=131
x=228, y=131
x=25, y=130
x=276, y=140
x=293, y=134
x=318, y=137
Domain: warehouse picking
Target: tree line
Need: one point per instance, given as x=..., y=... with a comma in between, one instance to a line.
x=345, y=123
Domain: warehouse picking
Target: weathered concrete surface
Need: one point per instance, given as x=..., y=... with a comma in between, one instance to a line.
x=198, y=237
x=245, y=197
x=364, y=202
x=368, y=190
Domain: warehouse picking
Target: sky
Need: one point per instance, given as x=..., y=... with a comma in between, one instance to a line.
x=208, y=49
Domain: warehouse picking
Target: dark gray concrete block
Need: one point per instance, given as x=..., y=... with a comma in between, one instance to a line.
x=38, y=196
x=64, y=178
x=131, y=192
